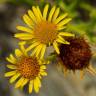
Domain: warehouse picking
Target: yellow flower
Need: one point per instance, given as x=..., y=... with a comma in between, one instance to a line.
x=44, y=30
x=25, y=69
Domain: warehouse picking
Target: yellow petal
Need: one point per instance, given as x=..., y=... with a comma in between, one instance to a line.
x=12, y=58
x=14, y=77
x=61, y=27
x=39, y=47
x=43, y=51
x=32, y=46
x=11, y=66
x=39, y=76
x=38, y=81
x=62, y=23
x=42, y=70
x=45, y=12
x=22, y=47
x=56, y=14
x=60, y=18
x=39, y=12
x=24, y=82
x=60, y=38
x=18, y=53
x=28, y=21
x=30, y=13
x=24, y=29
x=66, y=34
x=22, y=43
x=19, y=82
x=46, y=62
x=34, y=51
x=23, y=36
x=43, y=62
x=62, y=41
x=51, y=13
x=42, y=67
x=8, y=74
x=37, y=50
x=31, y=86
x=43, y=73
x=36, y=13
x=11, y=61
x=36, y=86
x=40, y=61
x=56, y=47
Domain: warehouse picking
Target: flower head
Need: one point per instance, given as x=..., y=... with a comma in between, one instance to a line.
x=76, y=56
x=25, y=69
x=44, y=30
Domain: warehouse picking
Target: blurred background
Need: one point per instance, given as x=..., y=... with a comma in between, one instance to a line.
x=83, y=13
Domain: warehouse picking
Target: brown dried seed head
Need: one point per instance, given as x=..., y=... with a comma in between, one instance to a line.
x=76, y=55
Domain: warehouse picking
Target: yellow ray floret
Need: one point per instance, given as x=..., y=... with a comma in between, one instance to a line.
x=26, y=69
x=44, y=29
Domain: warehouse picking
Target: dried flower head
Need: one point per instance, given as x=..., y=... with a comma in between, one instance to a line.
x=76, y=56
x=25, y=69
x=43, y=30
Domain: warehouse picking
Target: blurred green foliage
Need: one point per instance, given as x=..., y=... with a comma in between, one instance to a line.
x=83, y=13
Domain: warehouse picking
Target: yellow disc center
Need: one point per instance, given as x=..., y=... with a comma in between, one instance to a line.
x=28, y=67
x=45, y=32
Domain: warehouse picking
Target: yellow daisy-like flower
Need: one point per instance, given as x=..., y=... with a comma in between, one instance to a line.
x=44, y=30
x=25, y=69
